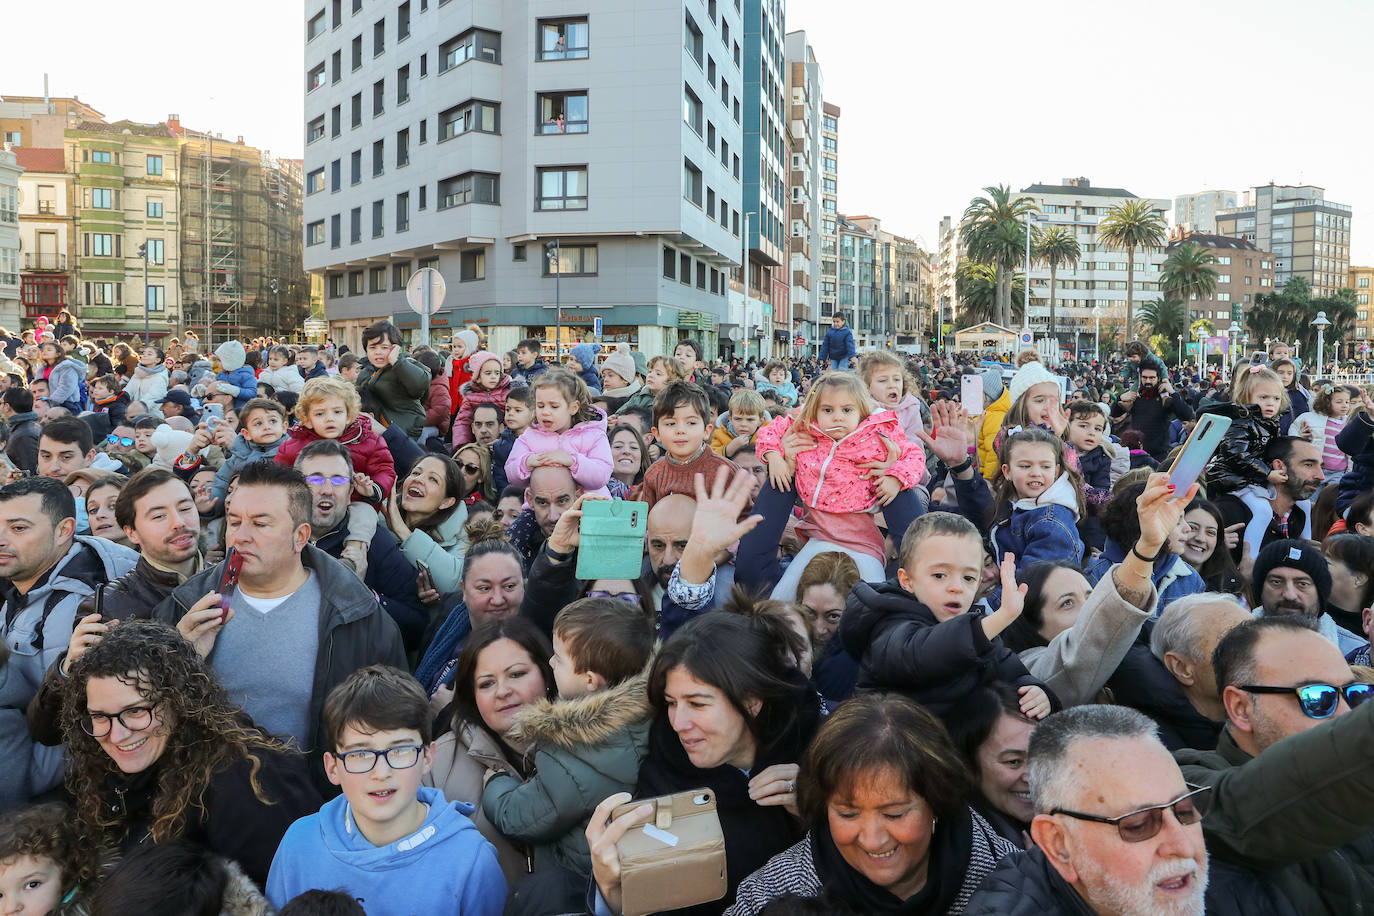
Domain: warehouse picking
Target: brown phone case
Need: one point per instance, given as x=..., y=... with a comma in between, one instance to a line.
x=675, y=859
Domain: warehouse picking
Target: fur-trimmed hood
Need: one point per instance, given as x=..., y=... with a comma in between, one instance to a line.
x=587, y=720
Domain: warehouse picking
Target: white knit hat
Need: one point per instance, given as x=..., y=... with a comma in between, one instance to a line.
x=1027, y=377
x=469, y=339
x=621, y=363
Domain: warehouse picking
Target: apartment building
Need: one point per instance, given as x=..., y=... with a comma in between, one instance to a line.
x=1243, y=272
x=1361, y=279
x=1308, y=234
x=47, y=232
x=830, y=212
x=1198, y=212
x=858, y=296
x=9, y=238
x=805, y=100
x=561, y=166
x=946, y=269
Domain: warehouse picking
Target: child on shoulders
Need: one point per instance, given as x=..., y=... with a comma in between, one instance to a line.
x=567, y=431
x=682, y=427
x=738, y=426
x=1039, y=501
x=775, y=378
x=489, y=385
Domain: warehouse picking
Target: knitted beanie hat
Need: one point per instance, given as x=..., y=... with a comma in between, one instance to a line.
x=621, y=362
x=476, y=360
x=1293, y=554
x=992, y=384
x=641, y=363
x=469, y=339
x=585, y=354
x=1027, y=377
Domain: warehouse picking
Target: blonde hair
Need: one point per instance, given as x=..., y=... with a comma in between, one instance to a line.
x=872, y=360
x=1026, y=356
x=747, y=401
x=671, y=366
x=324, y=387
x=847, y=382
x=1252, y=378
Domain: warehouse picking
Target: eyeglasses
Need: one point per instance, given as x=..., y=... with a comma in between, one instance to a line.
x=319, y=480
x=120, y=440
x=471, y=468
x=135, y=719
x=631, y=597
x=398, y=758
x=1319, y=701
x=1139, y=826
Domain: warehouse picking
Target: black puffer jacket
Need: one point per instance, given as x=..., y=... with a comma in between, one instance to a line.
x=901, y=646
x=1237, y=463
x=1143, y=683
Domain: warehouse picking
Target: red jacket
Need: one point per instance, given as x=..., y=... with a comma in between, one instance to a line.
x=370, y=454
x=458, y=375
x=439, y=407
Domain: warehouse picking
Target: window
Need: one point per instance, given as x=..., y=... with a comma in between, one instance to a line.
x=468, y=188
x=314, y=233
x=335, y=66
x=571, y=261
x=314, y=130
x=472, y=265
x=561, y=188
x=334, y=176
x=355, y=283
x=562, y=39
x=334, y=231
x=424, y=66
x=424, y=197
x=474, y=44
x=378, y=216
x=154, y=209
x=378, y=97
x=701, y=274
x=315, y=78
x=400, y=275
x=314, y=181
x=669, y=264
x=403, y=148
x=403, y=85
x=378, y=37
x=691, y=39
x=155, y=297
x=356, y=110
x=1362, y=298
x=336, y=286
x=1223, y=278
x=403, y=211
x=100, y=198
x=336, y=120
x=356, y=53
x=376, y=279
x=378, y=157
x=562, y=112
x=691, y=182
x=315, y=26
x=154, y=165
x=473, y=114
x=684, y=273
x=100, y=293
x=517, y=252
x=710, y=69
x=691, y=109
x=100, y=156
x=99, y=245
x=1362, y=283
x=1264, y=265
x=355, y=167
x=355, y=225
x=1224, y=259
x=403, y=21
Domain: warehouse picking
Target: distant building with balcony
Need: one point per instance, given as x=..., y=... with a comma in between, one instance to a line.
x=1308, y=234
x=9, y=238
x=857, y=293
x=47, y=228
x=804, y=87
x=1362, y=282
x=1243, y=272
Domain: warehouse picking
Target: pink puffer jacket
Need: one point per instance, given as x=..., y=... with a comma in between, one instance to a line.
x=829, y=477
x=585, y=442
x=472, y=398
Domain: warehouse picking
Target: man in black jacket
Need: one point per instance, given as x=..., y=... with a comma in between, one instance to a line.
x=22, y=448
x=1154, y=408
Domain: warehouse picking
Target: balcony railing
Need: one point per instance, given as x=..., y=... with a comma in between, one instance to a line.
x=45, y=260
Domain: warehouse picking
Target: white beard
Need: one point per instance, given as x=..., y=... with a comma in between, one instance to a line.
x=1140, y=900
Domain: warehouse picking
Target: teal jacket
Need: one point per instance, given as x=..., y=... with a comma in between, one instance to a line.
x=402, y=390
x=585, y=749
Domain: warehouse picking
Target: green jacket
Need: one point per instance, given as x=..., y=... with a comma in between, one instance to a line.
x=1301, y=813
x=401, y=389
x=584, y=749
x=641, y=398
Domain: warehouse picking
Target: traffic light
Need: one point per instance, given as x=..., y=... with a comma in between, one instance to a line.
x=143, y=251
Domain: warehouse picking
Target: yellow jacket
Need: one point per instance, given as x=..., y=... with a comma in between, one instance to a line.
x=987, y=434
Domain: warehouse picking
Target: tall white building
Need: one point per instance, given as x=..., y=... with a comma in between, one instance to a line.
x=1198, y=212
x=946, y=268
x=1098, y=280
x=472, y=135
x=805, y=88
x=9, y=238
x=830, y=210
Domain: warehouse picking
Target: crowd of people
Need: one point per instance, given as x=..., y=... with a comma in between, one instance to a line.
x=293, y=629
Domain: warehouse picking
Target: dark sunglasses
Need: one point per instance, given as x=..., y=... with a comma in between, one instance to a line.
x=471, y=468
x=120, y=440
x=1319, y=701
x=630, y=597
x=1139, y=826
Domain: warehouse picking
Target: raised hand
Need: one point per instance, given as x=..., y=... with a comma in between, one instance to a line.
x=1159, y=508
x=1013, y=600
x=716, y=524
x=949, y=423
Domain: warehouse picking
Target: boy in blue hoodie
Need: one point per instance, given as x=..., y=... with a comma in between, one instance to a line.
x=394, y=846
x=235, y=378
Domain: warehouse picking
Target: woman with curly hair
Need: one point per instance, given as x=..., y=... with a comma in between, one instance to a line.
x=157, y=752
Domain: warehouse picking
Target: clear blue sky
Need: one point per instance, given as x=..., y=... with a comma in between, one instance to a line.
x=939, y=98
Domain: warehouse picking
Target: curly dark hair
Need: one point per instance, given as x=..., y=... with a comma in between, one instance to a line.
x=47, y=832
x=206, y=732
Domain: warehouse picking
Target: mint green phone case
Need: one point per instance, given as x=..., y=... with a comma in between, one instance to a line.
x=612, y=539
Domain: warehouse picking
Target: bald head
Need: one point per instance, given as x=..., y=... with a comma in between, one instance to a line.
x=551, y=492
x=669, y=525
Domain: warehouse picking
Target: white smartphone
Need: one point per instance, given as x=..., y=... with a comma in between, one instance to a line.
x=971, y=394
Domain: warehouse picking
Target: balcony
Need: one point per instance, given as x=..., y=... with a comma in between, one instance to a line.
x=44, y=260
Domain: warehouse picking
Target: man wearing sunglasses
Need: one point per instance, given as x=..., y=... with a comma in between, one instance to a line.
x=1291, y=778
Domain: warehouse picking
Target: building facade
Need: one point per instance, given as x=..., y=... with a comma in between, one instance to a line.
x=857, y=296
x=766, y=158
x=1098, y=280
x=830, y=210
x=40, y=121
x=47, y=232
x=1308, y=234
x=1198, y=212
x=903, y=287
x=946, y=270
x=1362, y=282
x=9, y=238
x=805, y=94
x=1243, y=272
x=502, y=143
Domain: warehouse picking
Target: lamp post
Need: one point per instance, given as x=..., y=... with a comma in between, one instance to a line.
x=744, y=275
x=143, y=253
x=1233, y=334
x=1097, y=333
x=1321, y=323
x=1199, y=333
x=1182, y=358
x=554, y=250
x=276, y=303
x=1025, y=293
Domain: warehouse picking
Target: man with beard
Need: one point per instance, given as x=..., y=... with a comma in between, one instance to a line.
x=488, y=428
x=1154, y=408
x=328, y=470
x=1292, y=788
x=1291, y=577
x=1285, y=510
x=551, y=492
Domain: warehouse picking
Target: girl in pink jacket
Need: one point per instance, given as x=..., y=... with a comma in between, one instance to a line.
x=489, y=385
x=567, y=431
x=851, y=437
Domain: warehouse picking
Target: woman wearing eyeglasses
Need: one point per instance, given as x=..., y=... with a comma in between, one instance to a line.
x=156, y=752
x=475, y=463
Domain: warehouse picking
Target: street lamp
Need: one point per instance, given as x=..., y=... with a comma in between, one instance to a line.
x=1233, y=333
x=744, y=275
x=143, y=253
x=1199, y=333
x=554, y=250
x=276, y=302
x=1097, y=333
x=1321, y=323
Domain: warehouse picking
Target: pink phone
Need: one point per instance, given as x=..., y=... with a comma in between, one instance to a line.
x=1197, y=451
x=971, y=394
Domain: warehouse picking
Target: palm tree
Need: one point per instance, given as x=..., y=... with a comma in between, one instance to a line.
x=986, y=232
x=1167, y=317
x=975, y=287
x=1188, y=273
x=1054, y=246
x=1131, y=225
